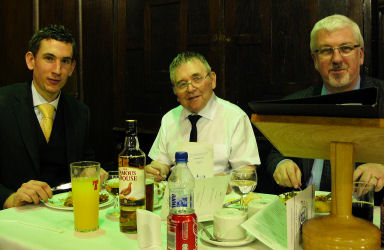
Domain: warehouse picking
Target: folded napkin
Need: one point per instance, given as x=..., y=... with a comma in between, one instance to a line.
x=148, y=229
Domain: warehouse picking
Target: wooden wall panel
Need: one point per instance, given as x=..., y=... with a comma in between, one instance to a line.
x=61, y=12
x=292, y=66
x=248, y=50
x=15, y=32
x=120, y=57
x=380, y=31
x=161, y=39
x=98, y=37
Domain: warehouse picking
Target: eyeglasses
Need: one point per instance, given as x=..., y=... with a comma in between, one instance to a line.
x=196, y=82
x=344, y=50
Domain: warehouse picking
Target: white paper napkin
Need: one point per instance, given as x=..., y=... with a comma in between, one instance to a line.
x=148, y=229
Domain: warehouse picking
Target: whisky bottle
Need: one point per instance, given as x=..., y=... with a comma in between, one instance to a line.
x=131, y=179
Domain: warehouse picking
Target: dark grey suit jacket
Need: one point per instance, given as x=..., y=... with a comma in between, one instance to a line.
x=305, y=165
x=19, y=158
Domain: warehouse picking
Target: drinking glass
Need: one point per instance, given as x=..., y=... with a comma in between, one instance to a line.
x=85, y=178
x=363, y=200
x=149, y=191
x=111, y=184
x=243, y=181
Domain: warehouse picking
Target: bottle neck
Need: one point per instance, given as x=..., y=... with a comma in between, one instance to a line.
x=181, y=164
x=131, y=142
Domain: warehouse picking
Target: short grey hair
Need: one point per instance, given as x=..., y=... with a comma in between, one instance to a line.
x=185, y=57
x=334, y=22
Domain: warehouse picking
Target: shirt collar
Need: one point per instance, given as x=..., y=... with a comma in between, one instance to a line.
x=38, y=99
x=208, y=111
x=325, y=91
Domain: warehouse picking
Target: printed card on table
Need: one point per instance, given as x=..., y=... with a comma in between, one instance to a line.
x=209, y=196
x=200, y=158
x=299, y=209
x=279, y=226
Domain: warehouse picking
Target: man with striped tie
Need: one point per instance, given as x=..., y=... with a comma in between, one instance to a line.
x=42, y=129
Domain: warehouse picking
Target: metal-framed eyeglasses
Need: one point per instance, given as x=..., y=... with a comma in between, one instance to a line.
x=196, y=82
x=344, y=50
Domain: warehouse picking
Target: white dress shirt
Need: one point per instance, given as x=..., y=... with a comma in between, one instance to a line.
x=38, y=99
x=223, y=124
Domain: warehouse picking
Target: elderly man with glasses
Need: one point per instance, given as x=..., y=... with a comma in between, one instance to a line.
x=338, y=52
x=218, y=122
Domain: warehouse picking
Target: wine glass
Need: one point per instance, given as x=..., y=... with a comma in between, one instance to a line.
x=243, y=181
x=111, y=184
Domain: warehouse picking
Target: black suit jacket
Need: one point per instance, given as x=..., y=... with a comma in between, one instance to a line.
x=305, y=165
x=19, y=158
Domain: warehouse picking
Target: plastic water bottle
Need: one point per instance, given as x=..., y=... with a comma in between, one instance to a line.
x=181, y=184
x=182, y=220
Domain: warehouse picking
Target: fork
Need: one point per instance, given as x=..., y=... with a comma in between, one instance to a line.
x=210, y=236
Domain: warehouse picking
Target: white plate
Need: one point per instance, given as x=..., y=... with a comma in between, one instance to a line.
x=57, y=201
x=234, y=243
x=317, y=193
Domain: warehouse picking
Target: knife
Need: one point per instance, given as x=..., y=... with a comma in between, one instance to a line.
x=65, y=186
x=230, y=203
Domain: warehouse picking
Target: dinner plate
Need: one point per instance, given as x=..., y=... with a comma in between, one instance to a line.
x=235, y=243
x=57, y=201
x=317, y=193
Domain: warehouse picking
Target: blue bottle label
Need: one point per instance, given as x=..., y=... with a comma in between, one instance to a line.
x=180, y=201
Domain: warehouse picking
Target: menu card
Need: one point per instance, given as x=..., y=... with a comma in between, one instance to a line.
x=299, y=209
x=269, y=225
x=200, y=158
x=279, y=226
x=209, y=196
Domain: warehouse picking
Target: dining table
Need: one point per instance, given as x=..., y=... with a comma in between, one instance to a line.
x=42, y=227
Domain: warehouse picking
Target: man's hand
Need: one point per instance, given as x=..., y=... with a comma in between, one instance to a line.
x=30, y=192
x=159, y=170
x=288, y=174
x=372, y=173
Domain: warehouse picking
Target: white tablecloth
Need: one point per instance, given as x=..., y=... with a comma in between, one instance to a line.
x=40, y=227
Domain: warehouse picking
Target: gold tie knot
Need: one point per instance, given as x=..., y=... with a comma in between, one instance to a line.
x=47, y=110
x=46, y=123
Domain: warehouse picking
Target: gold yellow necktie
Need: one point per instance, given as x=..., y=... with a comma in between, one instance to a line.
x=47, y=121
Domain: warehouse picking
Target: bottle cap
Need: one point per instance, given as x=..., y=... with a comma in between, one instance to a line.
x=131, y=127
x=181, y=157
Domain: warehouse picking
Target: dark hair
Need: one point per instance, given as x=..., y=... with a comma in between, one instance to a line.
x=53, y=31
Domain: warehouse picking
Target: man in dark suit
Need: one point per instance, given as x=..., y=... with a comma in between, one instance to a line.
x=338, y=52
x=31, y=161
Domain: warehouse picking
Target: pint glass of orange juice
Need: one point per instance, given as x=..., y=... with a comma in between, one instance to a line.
x=85, y=178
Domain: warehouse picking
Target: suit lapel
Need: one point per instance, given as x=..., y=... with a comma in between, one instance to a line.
x=25, y=116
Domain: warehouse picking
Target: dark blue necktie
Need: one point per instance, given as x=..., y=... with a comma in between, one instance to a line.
x=193, y=119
